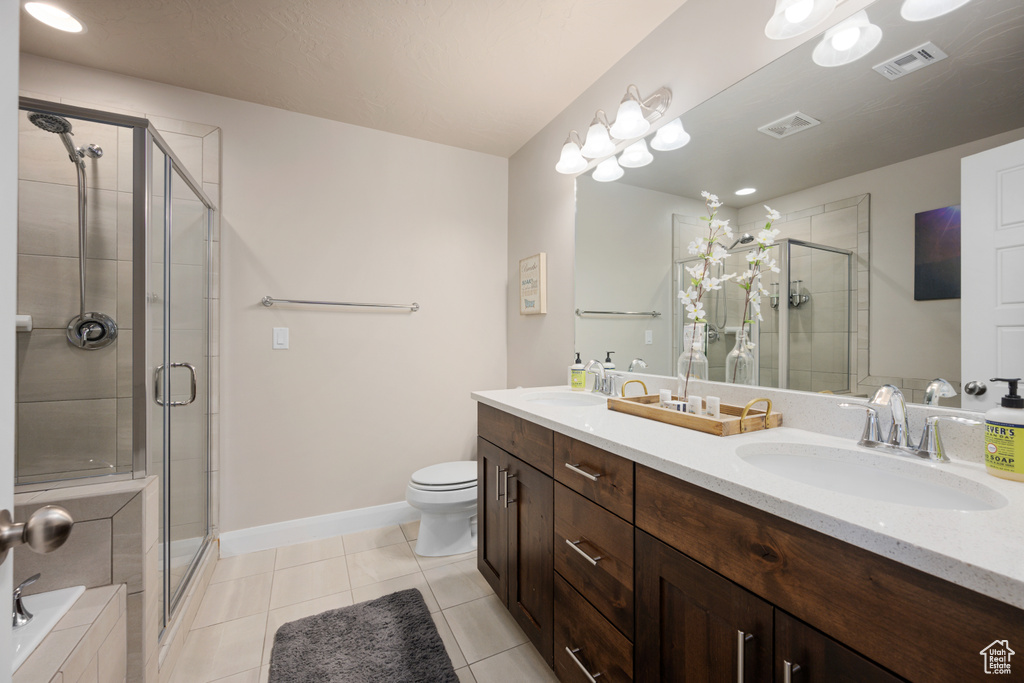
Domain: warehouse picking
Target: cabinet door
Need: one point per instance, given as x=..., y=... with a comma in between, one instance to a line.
x=587, y=646
x=530, y=558
x=492, y=519
x=694, y=625
x=812, y=657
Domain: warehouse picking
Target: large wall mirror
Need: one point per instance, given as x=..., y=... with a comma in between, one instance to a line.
x=882, y=166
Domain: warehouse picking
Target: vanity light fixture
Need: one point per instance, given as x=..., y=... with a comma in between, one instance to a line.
x=670, y=136
x=599, y=140
x=746, y=190
x=629, y=120
x=608, y=170
x=847, y=41
x=793, y=17
x=571, y=160
x=636, y=155
x=54, y=17
x=923, y=10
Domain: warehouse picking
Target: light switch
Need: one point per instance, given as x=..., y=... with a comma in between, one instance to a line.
x=280, y=337
x=649, y=337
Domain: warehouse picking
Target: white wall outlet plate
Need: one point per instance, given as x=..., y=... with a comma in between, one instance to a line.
x=280, y=337
x=649, y=337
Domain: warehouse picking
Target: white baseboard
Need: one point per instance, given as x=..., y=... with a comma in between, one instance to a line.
x=312, y=528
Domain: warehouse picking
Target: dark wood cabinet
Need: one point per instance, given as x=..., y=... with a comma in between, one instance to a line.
x=587, y=646
x=812, y=657
x=492, y=519
x=694, y=625
x=530, y=560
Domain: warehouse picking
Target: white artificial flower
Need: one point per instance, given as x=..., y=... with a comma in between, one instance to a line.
x=695, y=310
x=718, y=253
x=689, y=294
x=695, y=246
x=753, y=257
x=717, y=223
x=750, y=344
x=705, y=194
x=773, y=215
x=746, y=276
x=771, y=265
x=696, y=272
x=766, y=237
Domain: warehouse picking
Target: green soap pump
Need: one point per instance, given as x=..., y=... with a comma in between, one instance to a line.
x=1004, y=435
x=577, y=375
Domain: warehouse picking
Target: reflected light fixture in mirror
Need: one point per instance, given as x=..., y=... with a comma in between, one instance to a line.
x=608, y=170
x=746, y=191
x=847, y=41
x=599, y=142
x=670, y=136
x=636, y=155
x=54, y=17
x=629, y=120
x=923, y=10
x=793, y=17
x=571, y=160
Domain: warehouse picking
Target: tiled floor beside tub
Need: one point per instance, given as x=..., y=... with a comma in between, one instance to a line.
x=250, y=596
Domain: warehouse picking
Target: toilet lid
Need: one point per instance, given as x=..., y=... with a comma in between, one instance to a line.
x=446, y=474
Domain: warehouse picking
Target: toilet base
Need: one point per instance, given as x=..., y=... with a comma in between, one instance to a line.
x=442, y=535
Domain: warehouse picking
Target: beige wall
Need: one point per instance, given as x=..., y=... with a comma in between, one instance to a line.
x=323, y=210
x=696, y=58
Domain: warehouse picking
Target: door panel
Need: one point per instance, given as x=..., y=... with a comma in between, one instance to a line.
x=819, y=658
x=492, y=520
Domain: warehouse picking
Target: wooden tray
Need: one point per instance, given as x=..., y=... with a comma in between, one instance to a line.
x=725, y=425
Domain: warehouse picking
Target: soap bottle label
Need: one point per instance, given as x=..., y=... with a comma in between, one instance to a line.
x=579, y=379
x=1004, y=447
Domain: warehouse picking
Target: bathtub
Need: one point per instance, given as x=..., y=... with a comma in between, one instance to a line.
x=48, y=609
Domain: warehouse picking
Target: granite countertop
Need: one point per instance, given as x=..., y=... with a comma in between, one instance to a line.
x=977, y=549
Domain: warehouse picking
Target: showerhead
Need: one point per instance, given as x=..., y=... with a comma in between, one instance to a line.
x=746, y=239
x=51, y=123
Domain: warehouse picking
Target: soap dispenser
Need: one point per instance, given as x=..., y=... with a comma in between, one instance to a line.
x=1004, y=435
x=608, y=364
x=577, y=375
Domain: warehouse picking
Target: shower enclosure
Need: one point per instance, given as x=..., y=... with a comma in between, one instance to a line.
x=804, y=341
x=114, y=365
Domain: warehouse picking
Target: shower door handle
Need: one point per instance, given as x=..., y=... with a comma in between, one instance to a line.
x=156, y=384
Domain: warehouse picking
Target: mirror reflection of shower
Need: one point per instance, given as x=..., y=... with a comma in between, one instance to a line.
x=87, y=330
x=719, y=313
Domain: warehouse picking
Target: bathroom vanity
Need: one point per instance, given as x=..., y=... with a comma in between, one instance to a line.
x=638, y=550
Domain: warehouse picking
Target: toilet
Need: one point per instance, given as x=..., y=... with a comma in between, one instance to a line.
x=445, y=495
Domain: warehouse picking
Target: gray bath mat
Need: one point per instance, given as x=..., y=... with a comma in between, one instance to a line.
x=391, y=639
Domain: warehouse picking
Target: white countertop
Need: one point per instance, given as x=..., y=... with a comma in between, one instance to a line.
x=981, y=550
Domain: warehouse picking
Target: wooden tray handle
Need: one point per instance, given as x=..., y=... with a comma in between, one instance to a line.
x=751, y=404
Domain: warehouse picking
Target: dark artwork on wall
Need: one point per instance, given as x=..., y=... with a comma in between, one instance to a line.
x=937, y=254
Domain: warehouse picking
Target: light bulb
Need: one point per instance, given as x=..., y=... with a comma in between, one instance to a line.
x=799, y=11
x=570, y=161
x=54, y=17
x=598, y=143
x=846, y=38
x=629, y=121
x=636, y=155
x=670, y=136
x=608, y=170
x=746, y=190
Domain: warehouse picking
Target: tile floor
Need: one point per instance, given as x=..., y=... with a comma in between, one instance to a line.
x=251, y=596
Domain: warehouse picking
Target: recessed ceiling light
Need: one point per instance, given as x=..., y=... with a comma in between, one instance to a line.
x=746, y=190
x=54, y=17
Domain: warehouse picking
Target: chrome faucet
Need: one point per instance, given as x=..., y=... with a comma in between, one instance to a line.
x=938, y=388
x=20, y=615
x=890, y=395
x=637, y=362
x=604, y=383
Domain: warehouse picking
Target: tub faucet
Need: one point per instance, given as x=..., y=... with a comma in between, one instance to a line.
x=20, y=615
x=890, y=395
x=938, y=388
x=637, y=363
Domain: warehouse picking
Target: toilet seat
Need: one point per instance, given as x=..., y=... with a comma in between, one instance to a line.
x=446, y=476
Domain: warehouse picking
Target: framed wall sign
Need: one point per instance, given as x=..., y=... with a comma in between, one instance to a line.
x=533, y=293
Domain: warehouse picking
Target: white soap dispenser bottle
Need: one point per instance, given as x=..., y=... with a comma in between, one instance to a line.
x=1004, y=435
x=608, y=364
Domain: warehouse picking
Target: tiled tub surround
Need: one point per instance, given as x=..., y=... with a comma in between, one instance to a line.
x=114, y=542
x=977, y=550
x=86, y=646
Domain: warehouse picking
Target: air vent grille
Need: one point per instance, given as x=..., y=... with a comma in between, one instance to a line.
x=789, y=125
x=912, y=60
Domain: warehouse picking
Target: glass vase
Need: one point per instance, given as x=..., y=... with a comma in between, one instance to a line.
x=739, y=364
x=692, y=363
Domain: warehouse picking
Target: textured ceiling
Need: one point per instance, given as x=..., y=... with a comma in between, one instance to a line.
x=484, y=75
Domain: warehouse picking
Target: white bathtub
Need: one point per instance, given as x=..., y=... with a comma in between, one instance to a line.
x=48, y=609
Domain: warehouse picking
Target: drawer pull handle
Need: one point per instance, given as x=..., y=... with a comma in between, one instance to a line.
x=788, y=669
x=590, y=677
x=741, y=654
x=507, y=476
x=575, y=545
x=576, y=468
x=497, y=482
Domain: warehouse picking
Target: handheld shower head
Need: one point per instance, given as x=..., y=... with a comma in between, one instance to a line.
x=52, y=123
x=746, y=239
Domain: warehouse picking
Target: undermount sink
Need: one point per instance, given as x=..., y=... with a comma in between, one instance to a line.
x=884, y=478
x=566, y=399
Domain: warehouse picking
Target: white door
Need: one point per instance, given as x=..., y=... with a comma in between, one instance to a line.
x=992, y=270
x=8, y=286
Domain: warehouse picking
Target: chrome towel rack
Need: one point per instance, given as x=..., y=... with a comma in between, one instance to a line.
x=653, y=314
x=269, y=301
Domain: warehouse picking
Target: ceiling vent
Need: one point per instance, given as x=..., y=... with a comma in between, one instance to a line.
x=789, y=125
x=912, y=60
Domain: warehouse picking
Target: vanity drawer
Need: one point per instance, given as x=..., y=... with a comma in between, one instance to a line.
x=586, y=640
x=603, y=477
x=886, y=611
x=584, y=529
x=529, y=442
